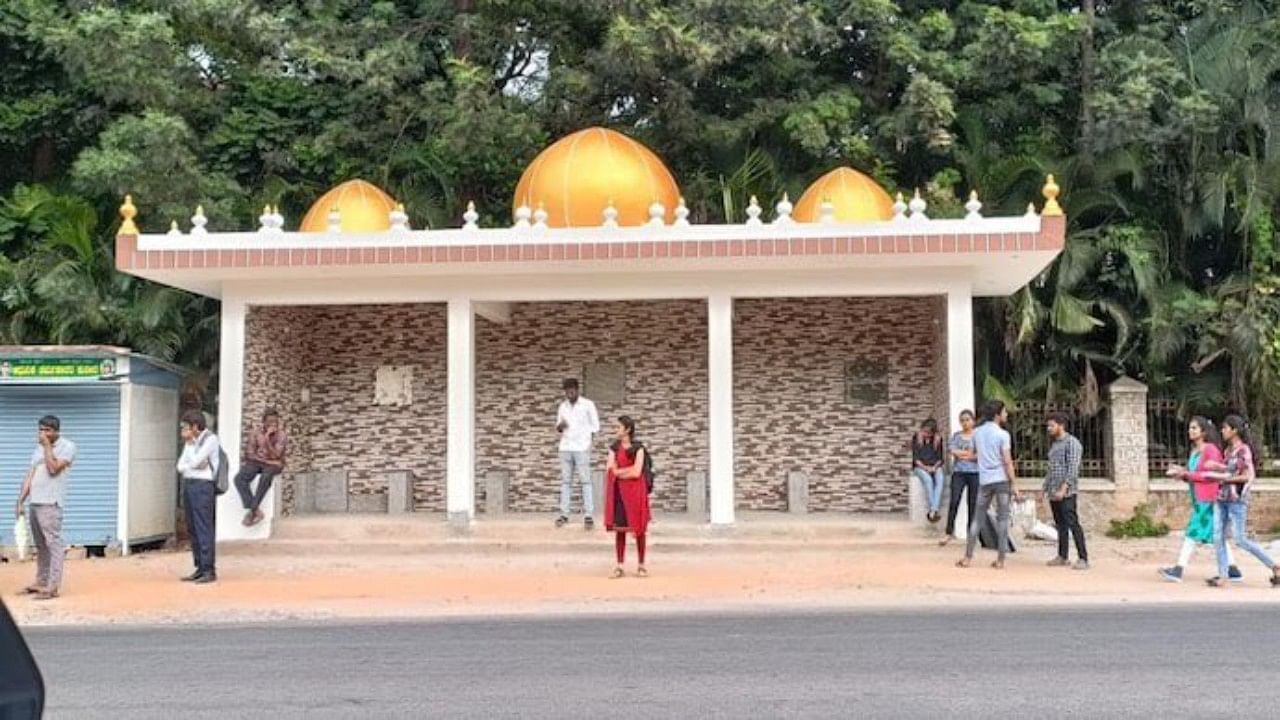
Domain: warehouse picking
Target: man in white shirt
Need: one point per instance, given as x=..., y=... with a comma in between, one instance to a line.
x=577, y=422
x=199, y=493
x=46, y=487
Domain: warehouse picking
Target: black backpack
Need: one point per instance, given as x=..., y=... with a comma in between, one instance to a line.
x=647, y=470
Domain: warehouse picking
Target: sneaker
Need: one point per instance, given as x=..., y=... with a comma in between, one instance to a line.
x=562, y=521
x=1081, y=565
x=1234, y=574
x=588, y=524
x=1058, y=562
x=1172, y=574
x=206, y=579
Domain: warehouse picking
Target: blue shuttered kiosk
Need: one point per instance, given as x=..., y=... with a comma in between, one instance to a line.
x=121, y=411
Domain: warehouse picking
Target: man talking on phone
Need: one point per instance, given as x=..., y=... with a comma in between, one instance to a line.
x=46, y=487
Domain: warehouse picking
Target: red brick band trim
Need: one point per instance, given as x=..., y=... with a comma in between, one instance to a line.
x=1050, y=237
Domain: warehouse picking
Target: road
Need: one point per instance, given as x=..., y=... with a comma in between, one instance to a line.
x=1124, y=662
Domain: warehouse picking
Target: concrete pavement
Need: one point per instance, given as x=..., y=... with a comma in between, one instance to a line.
x=1170, y=662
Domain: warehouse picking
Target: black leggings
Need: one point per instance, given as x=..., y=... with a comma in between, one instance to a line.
x=961, y=481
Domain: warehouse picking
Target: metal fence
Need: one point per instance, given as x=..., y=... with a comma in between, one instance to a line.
x=1031, y=442
x=1168, y=444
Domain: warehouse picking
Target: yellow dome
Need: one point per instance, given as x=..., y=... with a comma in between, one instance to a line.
x=579, y=175
x=855, y=197
x=362, y=206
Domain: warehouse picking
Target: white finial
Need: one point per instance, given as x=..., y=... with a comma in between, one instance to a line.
x=753, y=211
x=470, y=217
x=523, y=214
x=335, y=220
x=657, y=214
x=1031, y=210
x=783, y=210
x=974, y=207
x=399, y=218
x=265, y=220
x=277, y=220
x=682, y=214
x=198, y=221
x=826, y=212
x=900, y=208
x=917, y=207
x=540, y=217
x=173, y=229
x=610, y=215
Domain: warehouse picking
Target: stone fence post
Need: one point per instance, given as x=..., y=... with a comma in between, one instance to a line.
x=1127, y=440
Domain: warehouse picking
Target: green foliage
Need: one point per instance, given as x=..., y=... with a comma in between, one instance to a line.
x=1160, y=120
x=1141, y=525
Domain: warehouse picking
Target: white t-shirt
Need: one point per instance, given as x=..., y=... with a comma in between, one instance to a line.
x=49, y=489
x=581, y=422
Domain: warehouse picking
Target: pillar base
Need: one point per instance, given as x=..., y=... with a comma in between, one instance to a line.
x=459, y=523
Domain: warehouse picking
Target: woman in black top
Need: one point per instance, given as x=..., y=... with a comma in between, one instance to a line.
x=927, y=464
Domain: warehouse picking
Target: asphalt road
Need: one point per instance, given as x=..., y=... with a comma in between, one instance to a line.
x=1126, y=662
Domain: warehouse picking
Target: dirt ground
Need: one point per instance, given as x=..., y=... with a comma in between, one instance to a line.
x=144, y=588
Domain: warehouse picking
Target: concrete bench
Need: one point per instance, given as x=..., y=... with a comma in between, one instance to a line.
x=320, y=492
x=399, y=492
x=798, y=492
x=497, y=488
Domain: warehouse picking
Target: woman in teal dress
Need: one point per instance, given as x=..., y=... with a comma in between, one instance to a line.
x=1203, y=489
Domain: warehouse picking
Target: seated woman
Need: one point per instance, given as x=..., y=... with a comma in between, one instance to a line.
x=927, y=465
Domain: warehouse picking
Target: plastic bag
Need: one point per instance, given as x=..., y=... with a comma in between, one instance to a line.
x=1022, y=515
x=21, y=536
x=1042, y=531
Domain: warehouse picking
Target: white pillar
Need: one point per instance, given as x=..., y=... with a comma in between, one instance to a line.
x=959, y=352
x=960, y=392
x=720, y=407
x=230, y=420
x=460, y=487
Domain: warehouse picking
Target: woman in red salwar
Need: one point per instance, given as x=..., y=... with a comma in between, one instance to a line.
x=626, y=495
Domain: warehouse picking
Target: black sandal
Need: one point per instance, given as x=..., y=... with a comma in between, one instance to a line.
x=1215, y=582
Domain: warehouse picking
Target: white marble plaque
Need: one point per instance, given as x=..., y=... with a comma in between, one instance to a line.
x=393, y=385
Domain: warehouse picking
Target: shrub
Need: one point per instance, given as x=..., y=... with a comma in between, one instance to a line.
x=1141, y=525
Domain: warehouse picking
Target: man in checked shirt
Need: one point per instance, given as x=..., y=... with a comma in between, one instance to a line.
x=1061, y=486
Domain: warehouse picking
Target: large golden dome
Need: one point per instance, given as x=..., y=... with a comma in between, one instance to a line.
x=854, y=196
x=363, y=208
x=575, y=178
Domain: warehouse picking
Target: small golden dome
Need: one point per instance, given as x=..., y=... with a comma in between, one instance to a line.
x=579, y=175
x=363, y=207
x=854, y=196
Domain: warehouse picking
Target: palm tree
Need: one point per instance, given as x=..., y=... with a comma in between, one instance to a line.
x=63, y=288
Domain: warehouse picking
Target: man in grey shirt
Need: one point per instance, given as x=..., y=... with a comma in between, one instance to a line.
x=996, y=479
x=46, y=487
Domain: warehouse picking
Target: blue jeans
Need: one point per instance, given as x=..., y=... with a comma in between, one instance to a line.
x=575, y=463
x=1232, y=516
x=932, y=483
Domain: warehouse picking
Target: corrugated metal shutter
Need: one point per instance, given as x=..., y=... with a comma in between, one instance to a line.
x=90, y=416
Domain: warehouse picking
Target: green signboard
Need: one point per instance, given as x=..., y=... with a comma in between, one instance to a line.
x=56, y=369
